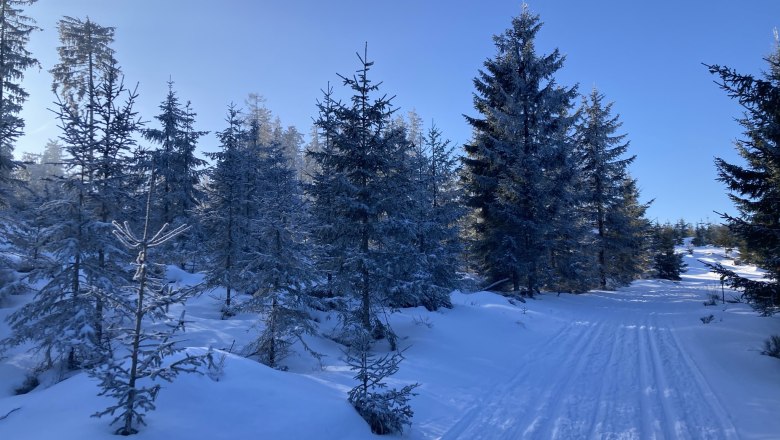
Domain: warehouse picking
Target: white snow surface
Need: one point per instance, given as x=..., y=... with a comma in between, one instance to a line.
x=637, y=363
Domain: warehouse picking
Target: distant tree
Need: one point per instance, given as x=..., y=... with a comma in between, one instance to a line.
x=519, y=172
x=701, y=234
x=629, y=237
x=175, y=163
x=143, y=350
x=682, y=230
x=15, y=30
x=755, y=186
x=430, y=264
x=668, y=264
x=323, y=181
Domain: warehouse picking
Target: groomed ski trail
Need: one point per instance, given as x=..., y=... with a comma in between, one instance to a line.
x=618, y=375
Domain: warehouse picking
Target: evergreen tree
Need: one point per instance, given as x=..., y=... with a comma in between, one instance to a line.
x=755, y=186
x=604, y=174
x=174, y=161
x=84, y=55
x=434, y=249
x=701, y=234
x=278, y=263
x=80, y=264
x=385, y=410
x=628, y=237
x=357, y=196
x=519, y=173
x=668, y=264
x=321, y=189
x=144, y=350
x=15, y=30
x=223, y=212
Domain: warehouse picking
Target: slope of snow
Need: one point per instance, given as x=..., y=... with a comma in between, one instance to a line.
x=636, y=363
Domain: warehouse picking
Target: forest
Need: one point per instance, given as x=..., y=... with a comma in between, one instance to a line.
x=371, y=212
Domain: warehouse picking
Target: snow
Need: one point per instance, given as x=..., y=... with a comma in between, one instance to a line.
x=636, y=363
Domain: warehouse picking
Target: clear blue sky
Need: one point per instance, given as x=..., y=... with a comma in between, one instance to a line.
x=644, y=56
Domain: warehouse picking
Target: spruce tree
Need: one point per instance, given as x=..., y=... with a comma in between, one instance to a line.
x=143, y=350
x=15, y=30
x=66, y=320
x=628, y=237
x=604, y=173
x=432, y=258
x=385, y=410
x=519, y=172
x=174, y=161
x=668, y=264
x=278, y=262
x=357, y=195
x=754, y=186
x=223, y=213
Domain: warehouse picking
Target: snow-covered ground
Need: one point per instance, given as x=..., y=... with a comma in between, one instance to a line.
x=636, y=363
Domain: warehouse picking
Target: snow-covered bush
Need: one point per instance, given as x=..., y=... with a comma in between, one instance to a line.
x=772, y=346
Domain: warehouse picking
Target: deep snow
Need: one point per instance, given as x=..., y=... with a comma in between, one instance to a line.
x=636, y=363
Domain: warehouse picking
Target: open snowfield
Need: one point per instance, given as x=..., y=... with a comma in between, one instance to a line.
x=633, y=364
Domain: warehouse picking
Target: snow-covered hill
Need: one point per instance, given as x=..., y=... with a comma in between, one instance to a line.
x=637, y=363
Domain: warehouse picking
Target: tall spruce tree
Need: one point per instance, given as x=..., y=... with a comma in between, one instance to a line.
x=604, y=173
x=628, y=237
x=15, y=30
x=356, y=194
x=66, y=319
x=278, y=262
x=432, y=258
x=519, y=172
x=223, y=213
x=755, y=186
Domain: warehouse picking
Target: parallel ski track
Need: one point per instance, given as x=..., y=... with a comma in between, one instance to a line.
x=647, y=386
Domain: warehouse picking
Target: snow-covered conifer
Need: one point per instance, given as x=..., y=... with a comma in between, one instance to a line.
x=519, y=173
x=606, y=197
x=174, y=160
x=140, y=359
x=754, y=186
x=15, y=30
x=357, y=197
x=385, y=410
x=223, y=212
x=278, y=263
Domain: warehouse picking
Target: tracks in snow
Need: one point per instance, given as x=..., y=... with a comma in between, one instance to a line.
x=628, y=378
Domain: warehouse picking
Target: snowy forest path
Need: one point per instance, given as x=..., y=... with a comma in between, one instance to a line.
x=618, y=371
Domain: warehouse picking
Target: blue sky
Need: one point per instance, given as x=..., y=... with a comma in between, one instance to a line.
x=644, y=56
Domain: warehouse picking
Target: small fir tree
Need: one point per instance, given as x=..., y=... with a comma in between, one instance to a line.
x=144, y=351
x=668, y=264
x=385, y=410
